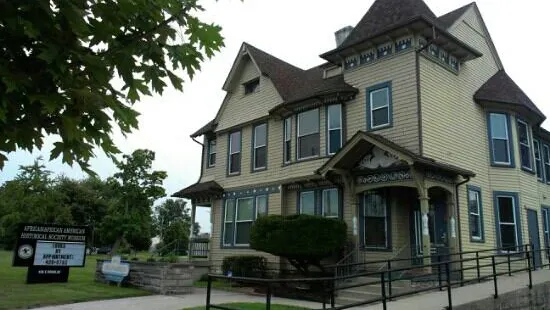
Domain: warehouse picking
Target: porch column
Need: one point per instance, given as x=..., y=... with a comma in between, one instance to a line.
x=193, y=211
x=426, y=245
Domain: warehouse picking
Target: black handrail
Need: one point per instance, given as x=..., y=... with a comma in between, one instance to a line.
x=328, y=291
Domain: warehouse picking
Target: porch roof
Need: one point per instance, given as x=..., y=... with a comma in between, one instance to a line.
x=198, y=190
x=352, y=152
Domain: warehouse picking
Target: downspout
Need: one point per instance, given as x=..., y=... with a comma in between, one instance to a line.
x=458, y=226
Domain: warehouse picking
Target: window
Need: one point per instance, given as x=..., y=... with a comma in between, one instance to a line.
x=538, y=160
x=307, y=203
x=330, y=205
x=260, y=147
x=546, y=158
x=499, y=131
x=287, y=148
x=507, y=215
x=251, y=86
x=211, y=153
x=384, y=51
x=403, y=44
x=379, y=106
x=546, y=227
x=243, y=220
x=375, y=213
x=228, y=222
x=261, y=206
x=334, y=128
x=475, y=211
x=524, y=139
x=235, y=153
x=308, y=134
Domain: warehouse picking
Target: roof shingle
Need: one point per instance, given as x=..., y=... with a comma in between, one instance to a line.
x=501, y=88
x=448, y=19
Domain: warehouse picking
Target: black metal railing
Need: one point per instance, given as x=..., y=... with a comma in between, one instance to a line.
x=482, y=266
x=199, y=248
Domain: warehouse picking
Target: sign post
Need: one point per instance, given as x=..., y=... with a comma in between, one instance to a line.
x=49, y=250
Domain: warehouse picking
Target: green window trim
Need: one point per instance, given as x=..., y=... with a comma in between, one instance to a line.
x=525, y=146
x=363, y=218
x=505, y=137
x=234, y=153
x=474, y=194
x=287, y=140
x=231, y=205
x=259, y=147
x=211, y=154
x=334, y=128
x=385, y=109
x=319, y=203
x=539, y=165
x=313, y=136
x=514, y=198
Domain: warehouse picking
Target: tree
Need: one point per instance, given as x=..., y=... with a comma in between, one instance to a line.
x=174, y=222
x=30, y=197
x=136, y=186
x=313, y=238
x=59, y=57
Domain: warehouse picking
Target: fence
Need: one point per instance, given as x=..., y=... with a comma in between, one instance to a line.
x=199, y=248
x=504, y=263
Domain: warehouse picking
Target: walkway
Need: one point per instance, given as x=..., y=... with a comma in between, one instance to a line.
x=434, y=300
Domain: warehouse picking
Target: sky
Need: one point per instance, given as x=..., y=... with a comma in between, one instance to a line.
x=296, y=31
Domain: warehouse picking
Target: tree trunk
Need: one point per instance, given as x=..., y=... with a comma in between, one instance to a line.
x=116, y=245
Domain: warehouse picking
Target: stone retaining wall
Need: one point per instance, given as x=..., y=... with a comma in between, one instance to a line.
x=157, y=277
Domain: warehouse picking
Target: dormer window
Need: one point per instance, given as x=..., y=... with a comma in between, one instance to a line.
x=434, y=50
x=444, y=56
x=384, y=51
x=453, y=62
x=251, y=86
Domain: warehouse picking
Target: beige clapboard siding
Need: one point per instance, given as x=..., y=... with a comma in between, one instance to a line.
x=217, y=253
x=400, y=70
x=449, y=114
x=240, y=108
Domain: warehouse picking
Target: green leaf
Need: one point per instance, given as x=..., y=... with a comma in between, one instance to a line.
x=175, y=80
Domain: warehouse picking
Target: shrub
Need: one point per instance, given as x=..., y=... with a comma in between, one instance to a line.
x=304, y=240
x=245, y=266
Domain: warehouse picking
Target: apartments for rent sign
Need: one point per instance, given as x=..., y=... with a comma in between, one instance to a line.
x=50, y=245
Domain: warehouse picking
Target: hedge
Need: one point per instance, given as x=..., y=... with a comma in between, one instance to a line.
x=252, y=266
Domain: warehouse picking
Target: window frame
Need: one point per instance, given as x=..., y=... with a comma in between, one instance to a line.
x=318, y=208
x=209, y=153
x=509, y=138
x=287, y=140
x=230, y=153
x=546, y=228
x=538, y=162
x=257, y=211
x=529, y=145
x=245, y=221
x=327, y=190
x=225, y=222
x=546, y=162
x=387, y=222
x=256, y=147
x=478, y=192
x=251, y=82
x=300, y=202
x=517, y=219
x=389, y=106
x=298, y=158
x=328, y=129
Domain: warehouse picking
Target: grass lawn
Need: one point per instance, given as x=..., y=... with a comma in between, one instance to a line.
x=252, y=306
x=14, y=293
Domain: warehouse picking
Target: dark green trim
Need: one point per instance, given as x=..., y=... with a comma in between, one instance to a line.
x=253, y=149
x=240, y=153
x=289, y=151
x=482, y=225
x=234, y=224
x=361, y=221
x=318, y=200
x=208, y=165
x=540, y=148
x=368, y=91
x=517, y=216
x=530, y=140
x=512, y=163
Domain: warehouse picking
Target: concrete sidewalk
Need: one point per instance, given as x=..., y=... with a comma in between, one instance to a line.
x=434, y=300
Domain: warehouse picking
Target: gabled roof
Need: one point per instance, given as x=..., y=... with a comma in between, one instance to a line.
x=385, y=14
x=356, y=147
x=500, y=88
x=450, y=18
x=293, y=83
x=209, y=127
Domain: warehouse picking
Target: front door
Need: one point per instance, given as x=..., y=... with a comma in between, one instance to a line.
x=534, y=238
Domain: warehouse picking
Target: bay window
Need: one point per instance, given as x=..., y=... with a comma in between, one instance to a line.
x=243, y=220
x=308, y=134
x=538, y=160
x=546, y=158
x=524, y=139
x=499, y=139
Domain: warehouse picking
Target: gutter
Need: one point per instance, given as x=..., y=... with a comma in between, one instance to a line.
x=458, y=226
x=193, y=138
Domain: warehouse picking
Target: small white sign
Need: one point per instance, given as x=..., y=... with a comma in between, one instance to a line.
x=115, y=267
x=66, y=254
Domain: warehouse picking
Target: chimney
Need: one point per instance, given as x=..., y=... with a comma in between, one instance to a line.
x=342, y=34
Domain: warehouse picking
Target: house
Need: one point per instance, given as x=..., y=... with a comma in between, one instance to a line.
x=411, y=132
